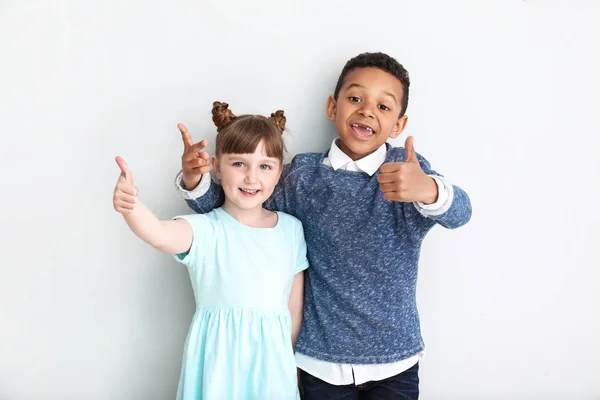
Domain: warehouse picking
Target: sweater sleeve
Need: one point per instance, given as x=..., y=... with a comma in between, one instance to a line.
x=456, y=210
x=213, y=198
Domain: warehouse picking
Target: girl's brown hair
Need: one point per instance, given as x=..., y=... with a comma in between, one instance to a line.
x=241, y=135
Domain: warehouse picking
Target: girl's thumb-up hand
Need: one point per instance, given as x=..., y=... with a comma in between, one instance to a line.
x=125, y=194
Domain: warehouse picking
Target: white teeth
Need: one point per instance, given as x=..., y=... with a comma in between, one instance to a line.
x=363, y=126
x=249, y=191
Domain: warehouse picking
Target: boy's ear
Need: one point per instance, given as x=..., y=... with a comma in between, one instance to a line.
x=399, y=127
x=216, y=167
x=331, y=108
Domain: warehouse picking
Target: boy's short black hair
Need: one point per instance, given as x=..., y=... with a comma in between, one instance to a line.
x=383, y=62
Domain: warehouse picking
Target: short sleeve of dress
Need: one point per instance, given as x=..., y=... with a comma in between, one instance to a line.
x=202, y=229
x=302, y=261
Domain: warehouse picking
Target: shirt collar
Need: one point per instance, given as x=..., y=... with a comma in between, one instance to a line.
x=368, y=164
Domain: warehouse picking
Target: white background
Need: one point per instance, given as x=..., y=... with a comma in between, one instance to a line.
x=504, y=101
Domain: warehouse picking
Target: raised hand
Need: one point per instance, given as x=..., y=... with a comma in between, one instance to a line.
x=125, y=194
x=406, y=181
x=194, y=161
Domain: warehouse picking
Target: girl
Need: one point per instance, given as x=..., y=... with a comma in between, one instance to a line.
x=246, y=266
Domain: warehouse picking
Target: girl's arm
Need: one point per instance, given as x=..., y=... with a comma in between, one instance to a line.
x=296, y=305
x=173, y=237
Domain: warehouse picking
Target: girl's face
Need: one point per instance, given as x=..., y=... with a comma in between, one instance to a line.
x=248, y=180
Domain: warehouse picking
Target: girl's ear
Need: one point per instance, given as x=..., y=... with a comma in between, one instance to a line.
x=216, y=167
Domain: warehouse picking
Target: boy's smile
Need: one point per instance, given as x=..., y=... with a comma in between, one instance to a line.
x=363, y=131
x=366, y=112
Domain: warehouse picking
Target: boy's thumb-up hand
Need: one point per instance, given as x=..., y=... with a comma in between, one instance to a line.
x=194, y=162
x=406, y=181
x=125, y=194
x=410, y=154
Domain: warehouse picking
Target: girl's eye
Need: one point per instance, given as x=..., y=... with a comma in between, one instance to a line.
x=265, y=167
x=354, y=99
x=238, y=164
x=384, y=108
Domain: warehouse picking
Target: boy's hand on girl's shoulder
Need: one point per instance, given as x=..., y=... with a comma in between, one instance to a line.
x=194, y=161
x=125, y=194
x=406, y=181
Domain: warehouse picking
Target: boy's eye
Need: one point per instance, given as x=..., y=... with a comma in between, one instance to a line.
x=384, y=107
x=238, y=164
x=354, y=99
x=265, y=167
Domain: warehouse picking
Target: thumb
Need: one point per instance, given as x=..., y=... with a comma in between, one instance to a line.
x=409, y=150
x=124, y=170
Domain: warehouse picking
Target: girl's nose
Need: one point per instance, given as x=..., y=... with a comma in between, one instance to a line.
x=251, y=175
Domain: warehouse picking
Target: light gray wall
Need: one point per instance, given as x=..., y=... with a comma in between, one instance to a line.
x=504, y=102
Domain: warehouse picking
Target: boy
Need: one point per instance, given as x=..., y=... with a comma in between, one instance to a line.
x=365, y=207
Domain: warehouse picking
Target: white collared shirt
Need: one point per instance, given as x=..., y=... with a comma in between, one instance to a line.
x=336, y=373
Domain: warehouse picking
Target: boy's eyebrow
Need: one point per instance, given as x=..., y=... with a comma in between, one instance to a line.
x=358, y=85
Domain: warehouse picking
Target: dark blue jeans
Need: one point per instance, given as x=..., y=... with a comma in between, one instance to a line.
x=404, y=386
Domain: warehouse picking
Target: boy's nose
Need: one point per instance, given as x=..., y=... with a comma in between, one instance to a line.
x=366, y=111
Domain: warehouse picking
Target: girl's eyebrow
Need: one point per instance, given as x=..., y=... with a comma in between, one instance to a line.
x=238, y=155
x=242, y=157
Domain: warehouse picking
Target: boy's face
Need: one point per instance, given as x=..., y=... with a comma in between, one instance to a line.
x=367, y=111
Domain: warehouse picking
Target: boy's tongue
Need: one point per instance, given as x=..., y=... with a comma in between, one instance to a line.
x=362, y=131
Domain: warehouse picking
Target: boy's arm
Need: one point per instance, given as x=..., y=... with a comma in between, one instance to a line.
x=454, y=211
x=172, y=237
x=296, y=305
x=206, y=196
x=432, y=195
x=193, y=181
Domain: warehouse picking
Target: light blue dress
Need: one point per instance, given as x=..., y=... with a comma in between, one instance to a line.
x=239, y=343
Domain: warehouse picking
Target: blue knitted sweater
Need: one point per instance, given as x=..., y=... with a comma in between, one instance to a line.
x=360, y=290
